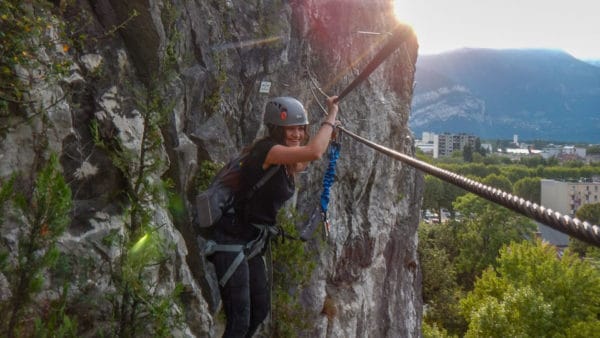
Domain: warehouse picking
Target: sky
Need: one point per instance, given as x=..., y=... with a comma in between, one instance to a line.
x=441, y=25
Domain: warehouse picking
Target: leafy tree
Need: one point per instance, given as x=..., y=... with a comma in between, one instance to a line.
x=590, y=213
x=532, y=161
x=485, y=228
x=529, y=188
x=574, y=164
x=588, y=171
x=433, y=196
x=440, y=289
x=478, y=149
x=456, y=157
x=552, y=161
x=498, y=181
x=476, y=169
x=516, y=172
x=559, y=173
x=539, y=171
x=495, y=159
x=477, y=157
x=452, y=255
x=533, y=292
x=593, y=150
x=491, y=160
x=433, y=331
x=439, y=194
x=468, y=153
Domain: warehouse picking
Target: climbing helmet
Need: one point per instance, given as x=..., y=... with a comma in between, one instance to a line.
x=285, y=111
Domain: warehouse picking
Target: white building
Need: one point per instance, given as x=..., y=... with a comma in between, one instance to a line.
x=426, y=143
x=427, y=137
x=563, y=151
x=572, y=150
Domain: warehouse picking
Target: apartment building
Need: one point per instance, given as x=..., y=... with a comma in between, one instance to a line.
x=566, y=198
x=444, y=144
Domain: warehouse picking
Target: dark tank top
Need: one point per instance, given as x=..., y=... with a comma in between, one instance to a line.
x=264, y=204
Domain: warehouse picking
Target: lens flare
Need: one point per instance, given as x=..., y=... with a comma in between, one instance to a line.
x=247, y=43
x=140, y=243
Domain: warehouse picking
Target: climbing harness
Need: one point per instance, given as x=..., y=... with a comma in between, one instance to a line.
x=328, y=179
x=245, y=251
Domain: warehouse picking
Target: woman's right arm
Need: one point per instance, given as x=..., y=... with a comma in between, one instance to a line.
x=315, y=148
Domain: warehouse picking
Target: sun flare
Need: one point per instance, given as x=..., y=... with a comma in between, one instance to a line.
x=404, y=12
x=442, y=25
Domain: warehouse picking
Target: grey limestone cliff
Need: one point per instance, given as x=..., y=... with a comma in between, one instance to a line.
x=220, y=52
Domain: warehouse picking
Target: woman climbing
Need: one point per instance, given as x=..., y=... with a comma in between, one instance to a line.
x=240, y=266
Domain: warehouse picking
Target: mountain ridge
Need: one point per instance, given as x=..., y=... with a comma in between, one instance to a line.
x=535, y=93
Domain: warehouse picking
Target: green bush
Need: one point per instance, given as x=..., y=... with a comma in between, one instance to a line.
x=43, y=216
x=293, y=265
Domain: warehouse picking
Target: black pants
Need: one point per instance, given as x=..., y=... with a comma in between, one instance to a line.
x=245, y=296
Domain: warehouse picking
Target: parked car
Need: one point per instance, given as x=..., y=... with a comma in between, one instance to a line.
x=430, y=217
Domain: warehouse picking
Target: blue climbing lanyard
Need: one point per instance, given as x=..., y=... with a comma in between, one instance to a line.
x=328, y=179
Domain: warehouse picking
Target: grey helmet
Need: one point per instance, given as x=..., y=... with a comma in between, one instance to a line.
x=285, y=111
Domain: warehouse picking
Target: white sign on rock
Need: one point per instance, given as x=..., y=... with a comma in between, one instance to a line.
x=265, y=87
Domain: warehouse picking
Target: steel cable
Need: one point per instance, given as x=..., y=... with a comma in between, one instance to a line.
x=571, y=226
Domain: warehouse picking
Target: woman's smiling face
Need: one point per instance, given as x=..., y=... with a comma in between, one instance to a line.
x=294, y=135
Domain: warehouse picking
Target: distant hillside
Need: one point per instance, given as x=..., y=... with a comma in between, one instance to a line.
x=537, y=94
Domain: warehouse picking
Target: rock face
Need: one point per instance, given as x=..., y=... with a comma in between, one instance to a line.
x=218, y=54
